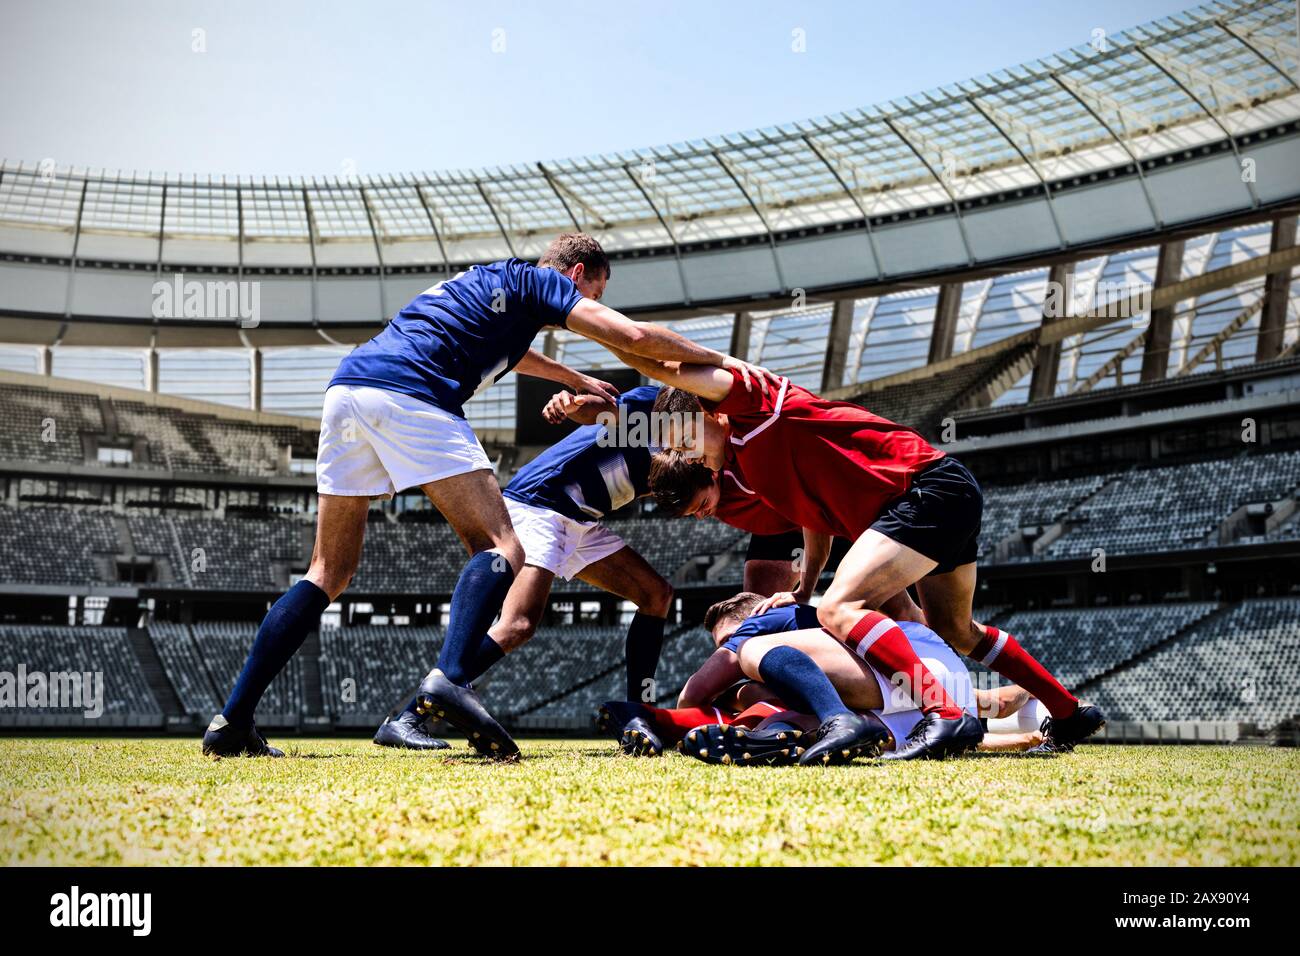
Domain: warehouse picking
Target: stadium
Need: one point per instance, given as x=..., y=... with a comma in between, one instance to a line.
x=1077, y=274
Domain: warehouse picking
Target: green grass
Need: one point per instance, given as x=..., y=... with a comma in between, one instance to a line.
x=155, y=801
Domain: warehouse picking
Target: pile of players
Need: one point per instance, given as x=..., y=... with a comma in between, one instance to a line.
x=868, y=671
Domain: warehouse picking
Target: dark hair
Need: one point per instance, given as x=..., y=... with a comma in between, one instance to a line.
x=737, y=606
x=570, y=248
x=677, y=401
x=675, y=480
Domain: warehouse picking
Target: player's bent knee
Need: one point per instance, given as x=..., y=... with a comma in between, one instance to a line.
x=752, y=653
x=513, y=632
x=657, y=600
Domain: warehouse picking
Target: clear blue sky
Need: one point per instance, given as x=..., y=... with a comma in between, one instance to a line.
x=297, y=87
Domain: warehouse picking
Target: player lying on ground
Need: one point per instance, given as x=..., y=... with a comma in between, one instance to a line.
x=393, y=419
x=913, y=514
x=770, y=730
x=556, y=503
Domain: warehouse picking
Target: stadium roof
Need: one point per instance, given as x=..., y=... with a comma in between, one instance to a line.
x=1202, y=76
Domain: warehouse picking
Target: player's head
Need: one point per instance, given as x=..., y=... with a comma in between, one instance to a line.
x=581, y=258
x=722, y=619
x=683, y=486
x=687, y=428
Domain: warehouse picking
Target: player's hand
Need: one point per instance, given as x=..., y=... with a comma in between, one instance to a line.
x=779, y=599
x=751, y=374
x=595, y=386
x=563, y=405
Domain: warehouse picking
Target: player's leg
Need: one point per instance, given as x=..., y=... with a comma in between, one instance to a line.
x=948, y=598
x=628, y=575
x=786, y=665
x=473, y=505
x=875, y=570
x=340, y=530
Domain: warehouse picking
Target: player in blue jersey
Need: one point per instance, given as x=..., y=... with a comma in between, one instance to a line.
x=393, y=419
x=556, y=505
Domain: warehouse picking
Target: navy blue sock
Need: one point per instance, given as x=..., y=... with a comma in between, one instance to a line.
x=645, y=641
x=800, y=683
x=478, y=597
x=283, y=630
x=486, y=654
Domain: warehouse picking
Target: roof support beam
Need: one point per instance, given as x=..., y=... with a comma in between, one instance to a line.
x=1274, y=45
x=379, y=254
x=956, y=206
x=311, y=242
x=989, y=115
x=433, y=224
x=753, y=204
x=1277, y=294
x=555, y=188
x=740, y=329
x=1159, y=64
x=1155, y=351
x=1047, y=363
x=853, y=197
x=663, y=221
x=947, y=307
x=837, y=344
x=482, y=191
x=1077, y=91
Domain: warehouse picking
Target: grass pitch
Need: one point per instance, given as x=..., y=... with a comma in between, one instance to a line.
x=157, y=801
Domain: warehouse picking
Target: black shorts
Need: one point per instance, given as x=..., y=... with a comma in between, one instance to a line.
x=774, y=547
x=785, y=547
x=939, y=516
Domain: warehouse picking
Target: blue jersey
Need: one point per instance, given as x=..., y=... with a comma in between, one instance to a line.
x=590, y=472
x=463, y=334
x=791, y=617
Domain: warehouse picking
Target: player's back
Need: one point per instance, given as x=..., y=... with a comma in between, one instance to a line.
x=463, y=334
x=591, y=471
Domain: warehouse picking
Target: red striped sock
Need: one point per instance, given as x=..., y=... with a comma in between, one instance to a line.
x=755, y=714
x=1002, y=652
x=674, y=723
x=882, y=643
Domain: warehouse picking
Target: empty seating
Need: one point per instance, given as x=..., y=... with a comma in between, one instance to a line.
x=1077, y=644
x=102, y=651
x=43, y=425
x=224, y=645
x=184, y=668
x=365, y=671
x=57, y=546
x=1241, y=665
x=1007, y=509
x=1181, y=506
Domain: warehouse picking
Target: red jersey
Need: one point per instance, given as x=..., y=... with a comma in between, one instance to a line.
x=742, y=508
x=828, y=466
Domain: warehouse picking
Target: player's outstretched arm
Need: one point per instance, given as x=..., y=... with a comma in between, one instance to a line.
x=707, y=381
x=583, y=409
x=537, y=365
x=645, y=340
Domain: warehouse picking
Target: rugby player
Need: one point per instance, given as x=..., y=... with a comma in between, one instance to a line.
x=746, y=722
x=913, y=514
x=393, y=419
x=556, y=504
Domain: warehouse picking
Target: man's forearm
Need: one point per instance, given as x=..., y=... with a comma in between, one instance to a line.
x=816, y=552
x=537, y=365
x=664, y=345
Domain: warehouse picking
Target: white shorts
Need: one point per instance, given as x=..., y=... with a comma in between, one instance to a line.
x=899, y=713
x=374, y=443
x=557, y=543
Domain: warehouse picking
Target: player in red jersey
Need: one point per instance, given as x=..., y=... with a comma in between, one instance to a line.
x=914, y=516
